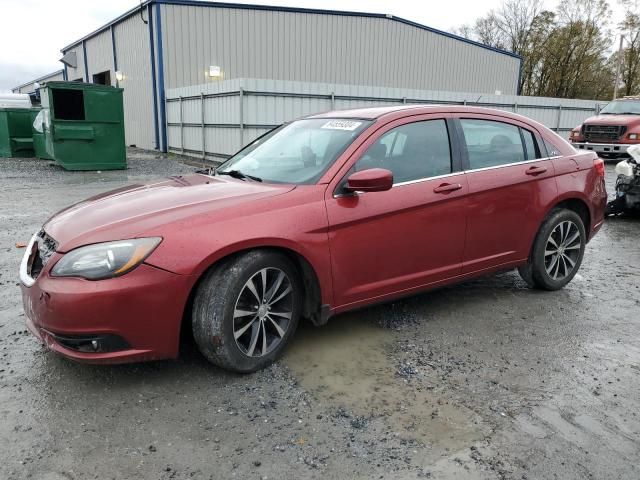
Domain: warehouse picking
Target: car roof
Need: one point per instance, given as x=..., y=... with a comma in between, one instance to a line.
x=373, y=113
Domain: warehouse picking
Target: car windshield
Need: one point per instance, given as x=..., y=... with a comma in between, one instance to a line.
x=298, y=152
x=618, y=107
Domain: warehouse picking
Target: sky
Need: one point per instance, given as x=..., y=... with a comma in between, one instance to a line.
x=32, y=32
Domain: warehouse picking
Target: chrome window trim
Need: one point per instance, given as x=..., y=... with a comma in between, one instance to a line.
x=513, y=164
x=425, y=179
x=452, y=174
x=401, y=184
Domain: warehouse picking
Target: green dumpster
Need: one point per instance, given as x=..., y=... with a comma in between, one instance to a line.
x=15, y=132
x=84, y=125
x=39, y=145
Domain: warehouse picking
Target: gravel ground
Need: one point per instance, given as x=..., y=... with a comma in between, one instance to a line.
x=486, y=380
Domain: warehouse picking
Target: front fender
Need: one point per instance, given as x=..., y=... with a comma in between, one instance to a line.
x=296, y=222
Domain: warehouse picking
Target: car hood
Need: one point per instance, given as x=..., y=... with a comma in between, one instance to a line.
x=130, y=211
x=629, y=120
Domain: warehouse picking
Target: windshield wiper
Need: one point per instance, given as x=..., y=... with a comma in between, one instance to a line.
x=239, y=174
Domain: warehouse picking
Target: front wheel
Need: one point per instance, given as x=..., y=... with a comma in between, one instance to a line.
x=557, y=251
x=246, y=309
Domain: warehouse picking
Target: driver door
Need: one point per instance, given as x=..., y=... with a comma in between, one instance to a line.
x=386, y=244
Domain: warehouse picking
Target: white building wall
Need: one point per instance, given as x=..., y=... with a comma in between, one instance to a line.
x=134, y=61
x=325, y=47
x=100, y=55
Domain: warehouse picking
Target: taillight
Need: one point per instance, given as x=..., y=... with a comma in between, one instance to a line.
x=598, y=164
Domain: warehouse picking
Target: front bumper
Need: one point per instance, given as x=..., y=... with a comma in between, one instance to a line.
x=142, y=310
x=606, y=149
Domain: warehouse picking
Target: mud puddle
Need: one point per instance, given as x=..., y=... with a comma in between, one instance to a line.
x=347, y=364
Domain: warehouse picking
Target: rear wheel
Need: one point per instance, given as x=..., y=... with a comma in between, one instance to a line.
x=246, y=309
x=557, y=252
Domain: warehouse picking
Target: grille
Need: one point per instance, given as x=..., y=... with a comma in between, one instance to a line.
x=603, y=133
x=45, y=247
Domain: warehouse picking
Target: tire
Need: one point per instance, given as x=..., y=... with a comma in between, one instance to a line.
x=546, y=270
x=225, y=306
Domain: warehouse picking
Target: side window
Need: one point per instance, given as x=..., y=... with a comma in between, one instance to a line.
x=531, y=145
x=491, y=144
x=412, y=152
x=552, y=150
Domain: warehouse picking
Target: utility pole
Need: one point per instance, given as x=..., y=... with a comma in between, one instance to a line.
x=619, y=63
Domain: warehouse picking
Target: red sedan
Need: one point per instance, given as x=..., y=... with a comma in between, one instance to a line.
x=321, y=215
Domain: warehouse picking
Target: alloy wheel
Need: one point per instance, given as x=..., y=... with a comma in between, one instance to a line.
x=263, y=312
x=562, y=250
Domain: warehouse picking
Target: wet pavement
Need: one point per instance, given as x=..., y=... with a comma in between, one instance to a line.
x=486, y=380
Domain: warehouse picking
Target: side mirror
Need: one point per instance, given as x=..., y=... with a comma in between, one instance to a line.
x=370, y=180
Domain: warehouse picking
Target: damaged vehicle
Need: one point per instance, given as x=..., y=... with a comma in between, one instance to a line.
x=322, y=215
x=627, y=199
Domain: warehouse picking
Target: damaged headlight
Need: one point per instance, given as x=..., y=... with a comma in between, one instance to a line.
x=105, y=260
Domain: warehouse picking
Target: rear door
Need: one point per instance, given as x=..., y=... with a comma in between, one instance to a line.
x=511, y=183
x=386, y=243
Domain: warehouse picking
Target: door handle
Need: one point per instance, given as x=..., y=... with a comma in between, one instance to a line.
x=447, y=187
x=535, y=170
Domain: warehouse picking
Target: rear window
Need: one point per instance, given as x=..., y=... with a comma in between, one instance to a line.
x=552, y=150
x=491, y=144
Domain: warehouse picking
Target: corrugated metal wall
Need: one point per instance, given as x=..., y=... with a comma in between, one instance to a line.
x=134, y=61
x=100, y=55
x=307, y=47
x=76, y=73
x=28, y=88
x=232, y=119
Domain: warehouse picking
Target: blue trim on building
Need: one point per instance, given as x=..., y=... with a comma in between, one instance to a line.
x=163, y=116
x=154, y=86
x=520, y=76
x=271, y=8
x=86, y=67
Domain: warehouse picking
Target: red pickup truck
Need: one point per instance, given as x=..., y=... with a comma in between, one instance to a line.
x=612, y=131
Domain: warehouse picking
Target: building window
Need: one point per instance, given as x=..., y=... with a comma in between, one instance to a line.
x=102, y=78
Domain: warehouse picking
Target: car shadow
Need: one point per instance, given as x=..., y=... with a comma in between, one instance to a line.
x=408, y=312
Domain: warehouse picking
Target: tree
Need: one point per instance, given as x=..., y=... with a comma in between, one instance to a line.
x=577, y=49
x=565, y=53
x=630, y=29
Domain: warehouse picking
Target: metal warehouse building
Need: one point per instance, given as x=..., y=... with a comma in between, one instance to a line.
x=30, y=87
x=165, y=44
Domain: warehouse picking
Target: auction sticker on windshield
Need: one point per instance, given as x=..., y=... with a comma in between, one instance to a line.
x=341, y=125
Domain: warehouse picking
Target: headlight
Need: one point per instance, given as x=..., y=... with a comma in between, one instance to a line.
x=633, y=136
x=105, y=260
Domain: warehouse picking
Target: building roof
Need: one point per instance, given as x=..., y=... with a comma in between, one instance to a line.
x=210, y=4
x=43, y=77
